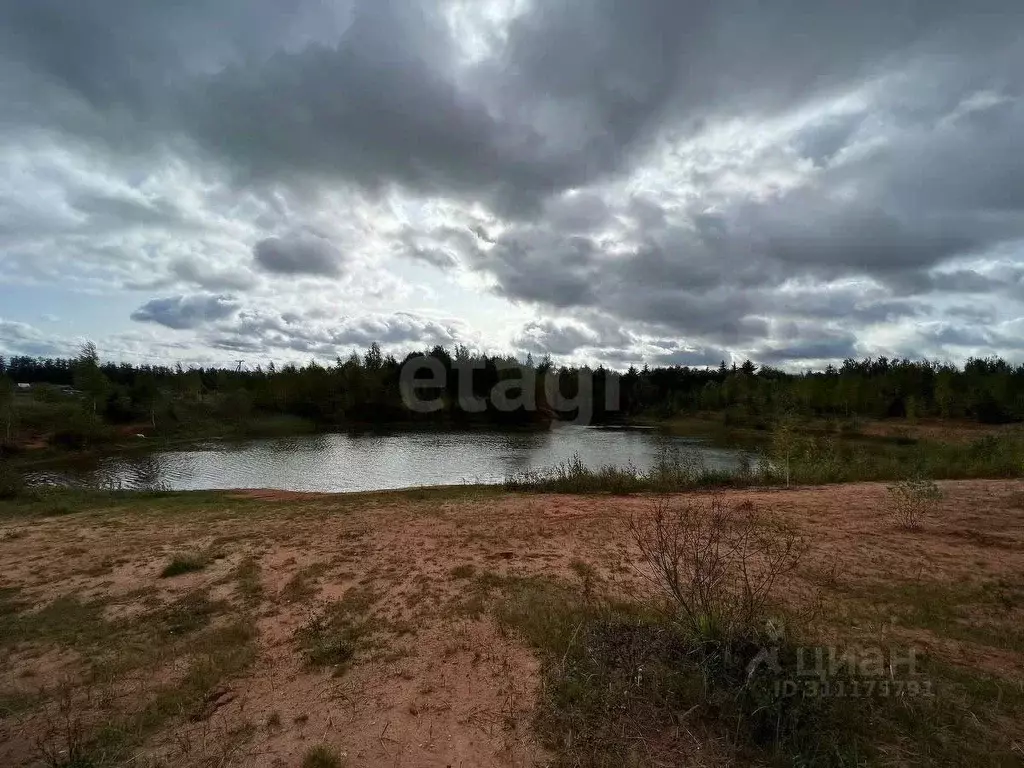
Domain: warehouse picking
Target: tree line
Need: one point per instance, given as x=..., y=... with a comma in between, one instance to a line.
x=76, y=399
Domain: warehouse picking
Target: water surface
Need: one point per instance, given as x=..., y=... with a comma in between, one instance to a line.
x=368, y=462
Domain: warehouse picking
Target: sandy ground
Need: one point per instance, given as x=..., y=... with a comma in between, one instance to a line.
x=445, y=687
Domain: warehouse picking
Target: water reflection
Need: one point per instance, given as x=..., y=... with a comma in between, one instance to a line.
x=349, y=462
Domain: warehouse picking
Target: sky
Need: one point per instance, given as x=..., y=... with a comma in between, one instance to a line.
x=608, y=182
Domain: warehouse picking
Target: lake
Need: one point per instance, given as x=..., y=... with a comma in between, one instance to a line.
x=378, y=461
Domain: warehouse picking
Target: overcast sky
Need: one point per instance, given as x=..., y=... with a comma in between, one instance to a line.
x=608, y=181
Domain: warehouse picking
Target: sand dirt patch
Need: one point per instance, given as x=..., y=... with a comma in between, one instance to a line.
x=437, y=687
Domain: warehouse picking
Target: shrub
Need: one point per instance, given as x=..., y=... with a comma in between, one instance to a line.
x=79, y=430
x=910, y=501
x=620, y=676
x=322, y=756
x=718, y=566
x=182, y=564
x=12, y=484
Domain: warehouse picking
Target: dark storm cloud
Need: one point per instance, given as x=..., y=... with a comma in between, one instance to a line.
x=540, y=265
x=182, y=312
x=933, y=193
x=946, y=334
x=305, y=255
x=807, y=341
x=619, y=69
x=368, y=90
x=719, y=275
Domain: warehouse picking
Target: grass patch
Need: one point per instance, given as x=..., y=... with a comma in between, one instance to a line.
x=82, y=724
x=791, y=457
x=186, y=615
x=182, y=564
x=985, y=613
x=330, y=642
x=623, y=685
x=333, y=637
x=303, y=585
x=463, y=571
x=248, y=577
x=675, y=471
x=44, y=502
x=33, y=502
x=322, y=756
x=708, y=652
x=216, y=655
x=66, y=621
x=17, y=702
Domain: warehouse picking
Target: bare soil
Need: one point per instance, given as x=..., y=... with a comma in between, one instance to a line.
x=439, y=683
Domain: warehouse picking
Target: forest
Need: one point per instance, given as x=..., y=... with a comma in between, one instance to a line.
x=72, y=402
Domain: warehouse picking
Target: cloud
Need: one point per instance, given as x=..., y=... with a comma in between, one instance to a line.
x=139, y=347
x=307, y=255
x=23, y=339
x=270, y=332
x=211, y=276
x=561, y=339
x=185, y=312
x=796, y=180
x=382, y=90
x=801, y=341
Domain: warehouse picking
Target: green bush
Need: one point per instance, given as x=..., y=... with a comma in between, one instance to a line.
x=322, y=756
x=911, y=501
x=182, y=564
x=80, y=430
x=12, y=485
